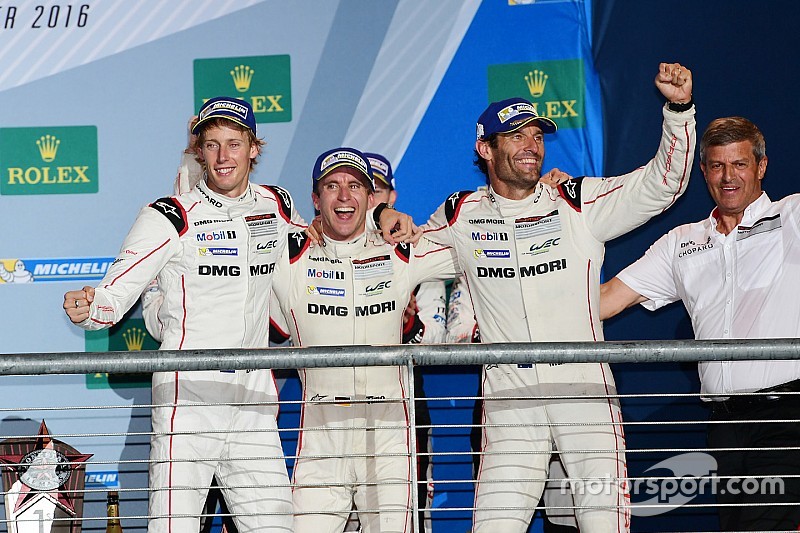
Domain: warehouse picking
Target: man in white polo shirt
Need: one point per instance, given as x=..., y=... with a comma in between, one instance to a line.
x=738, y=274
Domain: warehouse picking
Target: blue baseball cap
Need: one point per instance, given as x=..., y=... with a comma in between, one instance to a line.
x=510, y=115
x=381, y=169
x=342, y=157
x=229, y=108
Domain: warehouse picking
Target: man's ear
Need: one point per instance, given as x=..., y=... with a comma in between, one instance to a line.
x=483, y=149
x=370, y=201
x=315, y=200
x=762, y=167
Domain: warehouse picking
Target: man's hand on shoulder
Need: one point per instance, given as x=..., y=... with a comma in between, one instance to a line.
x=397, y=227
x=314, y=230
x=555, y=177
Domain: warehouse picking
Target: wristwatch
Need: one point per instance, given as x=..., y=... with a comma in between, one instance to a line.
x=678, y=107
x=376, y=214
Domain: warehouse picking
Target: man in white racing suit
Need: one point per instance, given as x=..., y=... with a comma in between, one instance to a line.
x=556, y=505
x=424, y=322
x=213, y=250
x=532, y=258
x=230, y=388
x=352, y=290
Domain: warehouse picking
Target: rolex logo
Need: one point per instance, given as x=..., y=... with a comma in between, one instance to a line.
x=134, y=339
x=536, y=81
x=48, y=146
x=242, y=76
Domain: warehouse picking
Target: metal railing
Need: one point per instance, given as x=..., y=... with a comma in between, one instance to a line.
x=408, y=357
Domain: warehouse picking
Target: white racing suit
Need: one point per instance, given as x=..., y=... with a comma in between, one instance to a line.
x=557, y=502
x=214, y=259
x=427, y=327
x=354, y=443
x=533, y=269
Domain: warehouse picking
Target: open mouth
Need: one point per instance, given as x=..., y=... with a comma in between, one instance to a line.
x=527, y=161
x=344, y=212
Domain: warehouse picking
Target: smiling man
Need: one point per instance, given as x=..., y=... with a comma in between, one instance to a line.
x=354, y=442
x=738, y=274
x=532, y=257
x=213, y=251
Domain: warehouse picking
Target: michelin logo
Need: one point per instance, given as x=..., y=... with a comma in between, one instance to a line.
x=108, y=479
x=205, y=252
x=41, y=270
x=325, y=291
x=492, y=253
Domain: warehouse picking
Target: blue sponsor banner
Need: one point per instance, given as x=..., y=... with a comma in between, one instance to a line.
x=108, y=479
x=59, y=269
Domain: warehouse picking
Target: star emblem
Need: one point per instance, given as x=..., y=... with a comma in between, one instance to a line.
x=43, y=468
x=168, y=209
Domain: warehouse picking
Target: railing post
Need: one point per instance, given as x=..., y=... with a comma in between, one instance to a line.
x=412, y=440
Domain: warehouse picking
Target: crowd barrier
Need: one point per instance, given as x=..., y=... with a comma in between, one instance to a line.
x=410, y=358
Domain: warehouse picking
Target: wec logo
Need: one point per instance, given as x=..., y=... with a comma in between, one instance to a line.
x=541, y=248
x=379, y=287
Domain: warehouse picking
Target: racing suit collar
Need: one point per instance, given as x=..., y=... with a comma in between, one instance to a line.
x=344, y=249
x=507, y=207
x=234, y=207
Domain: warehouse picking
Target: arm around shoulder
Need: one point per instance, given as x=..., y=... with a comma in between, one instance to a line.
x=615, y=297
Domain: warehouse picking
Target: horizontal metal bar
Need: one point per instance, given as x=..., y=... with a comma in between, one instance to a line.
x=431, y=354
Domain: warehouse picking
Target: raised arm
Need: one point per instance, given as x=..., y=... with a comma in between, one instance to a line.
x=616, y=205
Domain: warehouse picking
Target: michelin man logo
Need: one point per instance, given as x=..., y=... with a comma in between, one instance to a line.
x=19, y=274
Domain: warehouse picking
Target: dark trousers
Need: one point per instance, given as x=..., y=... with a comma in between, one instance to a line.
x=742, y=515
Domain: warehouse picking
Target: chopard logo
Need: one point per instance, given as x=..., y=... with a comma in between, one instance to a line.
x=690, y=247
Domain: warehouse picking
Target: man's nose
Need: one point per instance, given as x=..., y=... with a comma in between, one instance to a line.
x=728, y=172
x=222, y=154
x=531, y=145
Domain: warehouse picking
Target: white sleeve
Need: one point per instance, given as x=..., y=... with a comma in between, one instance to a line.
x=432, y=261
x=152, y=298
x=652, y=275
x=615, y=206
x=149, y=245
x=279, y=333
x=461, y=324
x=437, y=228
x=189, y=173
x=432, y=310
